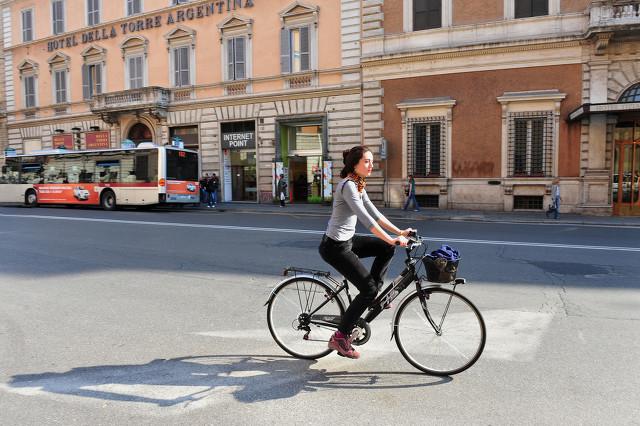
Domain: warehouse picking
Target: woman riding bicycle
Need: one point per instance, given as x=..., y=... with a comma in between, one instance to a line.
x=342, y=249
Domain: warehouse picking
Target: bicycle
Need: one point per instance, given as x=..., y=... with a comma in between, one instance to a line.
x=305, y=309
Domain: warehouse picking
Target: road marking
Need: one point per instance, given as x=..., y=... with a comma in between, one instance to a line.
x=314, y=232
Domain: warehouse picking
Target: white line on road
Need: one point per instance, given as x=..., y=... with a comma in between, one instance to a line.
x=314, y=232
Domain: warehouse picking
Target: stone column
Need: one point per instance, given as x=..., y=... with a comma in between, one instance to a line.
x=595, y=179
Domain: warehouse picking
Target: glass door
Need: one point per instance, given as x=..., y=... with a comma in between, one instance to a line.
x=626, y=169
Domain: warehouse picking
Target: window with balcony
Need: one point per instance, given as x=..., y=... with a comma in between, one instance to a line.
x=135, y=72
x=427, y=14
x=27, y=25
x=181, y=45
x=93, y=12
x=134, y=7
x=91, y=80
x=57, y=16
x=530, y=8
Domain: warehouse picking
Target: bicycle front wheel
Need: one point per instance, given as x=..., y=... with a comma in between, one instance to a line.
x=296, y=323
x=439, y=331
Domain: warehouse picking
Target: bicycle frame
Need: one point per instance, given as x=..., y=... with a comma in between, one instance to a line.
x=387, y=296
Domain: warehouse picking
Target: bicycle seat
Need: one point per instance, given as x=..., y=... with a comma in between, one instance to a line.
x=460, y=281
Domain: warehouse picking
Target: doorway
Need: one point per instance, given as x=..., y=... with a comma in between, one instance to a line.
x=140, y=133
x=626, y=169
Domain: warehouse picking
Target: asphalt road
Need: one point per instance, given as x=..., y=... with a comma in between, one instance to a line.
x=157, y=317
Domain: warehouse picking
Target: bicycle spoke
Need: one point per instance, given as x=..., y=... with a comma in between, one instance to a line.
x=430, y=347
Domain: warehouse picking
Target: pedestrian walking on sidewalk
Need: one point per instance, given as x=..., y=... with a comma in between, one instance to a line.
x=555, y=199
x=282, y=189
x=411, y=194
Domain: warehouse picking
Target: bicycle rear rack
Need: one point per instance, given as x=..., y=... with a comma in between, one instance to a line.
x=292, y=270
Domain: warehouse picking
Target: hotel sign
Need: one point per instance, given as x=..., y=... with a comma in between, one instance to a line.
x=174, y=17
x=239, y=140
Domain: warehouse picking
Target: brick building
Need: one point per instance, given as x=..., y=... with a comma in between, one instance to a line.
x=486, y=102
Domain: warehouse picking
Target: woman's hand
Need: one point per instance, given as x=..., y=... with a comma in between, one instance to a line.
x=407, y=232
x=400, y=241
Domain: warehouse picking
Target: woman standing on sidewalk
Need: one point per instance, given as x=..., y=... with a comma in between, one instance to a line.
x=342, y=249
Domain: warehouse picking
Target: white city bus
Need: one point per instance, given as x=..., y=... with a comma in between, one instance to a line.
x=145, y=175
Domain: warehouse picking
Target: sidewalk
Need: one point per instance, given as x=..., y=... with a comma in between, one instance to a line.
x=436, y=214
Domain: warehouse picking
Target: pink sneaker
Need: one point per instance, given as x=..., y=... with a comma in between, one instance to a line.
x=342, y=345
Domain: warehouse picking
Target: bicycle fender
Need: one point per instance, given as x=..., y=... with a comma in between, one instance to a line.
x=289, y=279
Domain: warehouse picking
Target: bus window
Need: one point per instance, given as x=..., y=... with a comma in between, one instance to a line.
x=108, y=170
x=10, y=171
x=146, y=166
x=55, y=169
x=182, y=165
x=31, y=170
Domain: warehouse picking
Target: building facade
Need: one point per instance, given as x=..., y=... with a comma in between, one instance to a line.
x=258, y=87
x=486, y=102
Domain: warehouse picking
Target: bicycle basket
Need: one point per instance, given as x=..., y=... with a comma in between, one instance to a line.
x=442, y=265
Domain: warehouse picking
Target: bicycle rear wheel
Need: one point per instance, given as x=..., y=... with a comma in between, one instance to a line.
x=439, y=331
x=290, y=321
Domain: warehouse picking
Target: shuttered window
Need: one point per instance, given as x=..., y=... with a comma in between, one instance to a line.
x=427, y=14
x=27, y=25
x=181, y=66
x=529, y=8
x=236, y=58
x=60, y=88
x=29, y=91
x=57, y=16
x=136, y=71
x=91, y=80
x=133, y=7
x=295, y=49
x=93, y=12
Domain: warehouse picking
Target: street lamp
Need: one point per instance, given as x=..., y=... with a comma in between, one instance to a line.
x=76, y=132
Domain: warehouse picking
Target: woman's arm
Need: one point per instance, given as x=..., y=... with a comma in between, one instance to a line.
x=382, y=220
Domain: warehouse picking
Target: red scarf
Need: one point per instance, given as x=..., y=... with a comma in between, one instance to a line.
x=358, y=180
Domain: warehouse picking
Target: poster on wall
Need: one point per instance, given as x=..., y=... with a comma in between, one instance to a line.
x=278, y=169
x=226, y=170
x=97, y=140
x=63, y=140
x=327, y=177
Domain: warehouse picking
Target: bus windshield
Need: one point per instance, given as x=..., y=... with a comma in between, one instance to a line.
x=182, y=165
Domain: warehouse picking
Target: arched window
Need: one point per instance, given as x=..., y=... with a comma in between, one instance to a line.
x=632, y=94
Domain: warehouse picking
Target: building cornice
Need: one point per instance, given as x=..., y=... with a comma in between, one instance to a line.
x=468, y=52
x=341, y=90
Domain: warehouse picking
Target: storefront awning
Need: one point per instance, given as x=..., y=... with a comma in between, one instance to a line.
x=585, y=110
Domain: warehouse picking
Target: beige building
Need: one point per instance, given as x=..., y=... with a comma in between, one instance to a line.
x=486, y=102
x=258, y=87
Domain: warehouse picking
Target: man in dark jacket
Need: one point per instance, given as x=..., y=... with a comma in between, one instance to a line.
x=203, y=188
x=212, y=189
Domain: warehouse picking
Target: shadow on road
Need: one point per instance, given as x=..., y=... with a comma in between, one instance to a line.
x=186, y=380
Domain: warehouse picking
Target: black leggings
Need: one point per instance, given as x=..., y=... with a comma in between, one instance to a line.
x=345, y=257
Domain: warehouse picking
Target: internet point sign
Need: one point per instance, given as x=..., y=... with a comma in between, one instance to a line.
x=238, y=140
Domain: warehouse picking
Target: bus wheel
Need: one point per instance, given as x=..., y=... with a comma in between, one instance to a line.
x=108, y=200
x=31, y=198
